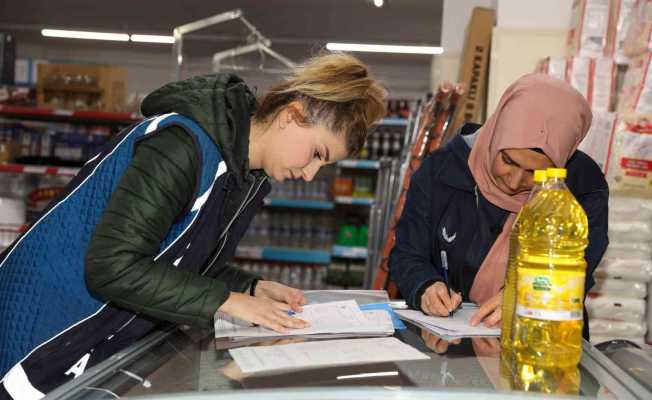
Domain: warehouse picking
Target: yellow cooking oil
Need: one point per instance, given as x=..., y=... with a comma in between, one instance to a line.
x=509, y=290
x=550, y=269
x=549, y=380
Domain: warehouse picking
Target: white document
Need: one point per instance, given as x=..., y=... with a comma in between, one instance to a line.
x=323, y=354
x=340, y=317
x=458, y=325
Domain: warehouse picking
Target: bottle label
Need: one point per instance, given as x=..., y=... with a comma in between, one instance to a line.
x=552, y=295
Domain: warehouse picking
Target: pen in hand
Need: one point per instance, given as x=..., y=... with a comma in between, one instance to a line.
x=444, y=264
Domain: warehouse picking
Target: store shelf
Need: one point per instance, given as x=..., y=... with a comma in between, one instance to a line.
x=354, y=201
x=304, y=204
x=359, y=164
x=350, y=252
x=283, y=254
x=47, y=114
x=393, y=122
x=38, y=169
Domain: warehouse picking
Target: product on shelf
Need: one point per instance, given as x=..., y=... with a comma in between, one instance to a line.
x=597, y=140
x=616, y=305
x=588, y=33
x=9, y=233
x=595, y=78
x=637, y=37
x=398, y=108
x=343, y=186
x=636, y=92
x=298, y=189
x=630, y=161
x=363, y=187
x=291, y=230
x=623, y=14
x=302, y=276
x=347, y=235
x=81, y=87
x=603, y=84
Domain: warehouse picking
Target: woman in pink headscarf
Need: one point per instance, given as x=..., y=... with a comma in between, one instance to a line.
x=463, y=200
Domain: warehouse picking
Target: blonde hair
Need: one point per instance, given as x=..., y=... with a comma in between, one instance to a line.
x=336, y=91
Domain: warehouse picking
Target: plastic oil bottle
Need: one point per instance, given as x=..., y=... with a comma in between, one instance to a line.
x=550, y=278
x=509, y=291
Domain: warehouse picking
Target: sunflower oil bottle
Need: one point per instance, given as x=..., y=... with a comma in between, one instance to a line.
x=509, y=291
x=550, y=380
x=547, y=327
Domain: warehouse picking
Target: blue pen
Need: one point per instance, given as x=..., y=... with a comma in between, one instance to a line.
x=444, y=265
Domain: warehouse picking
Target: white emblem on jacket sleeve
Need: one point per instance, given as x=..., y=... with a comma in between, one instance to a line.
x=448, y=239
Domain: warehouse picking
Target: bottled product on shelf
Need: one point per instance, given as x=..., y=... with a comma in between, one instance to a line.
x=51, y=143
x=550, y=273
x=383, y=141
x=302, y=276
x=298, y=189
x=290, y=229
x=509, y=292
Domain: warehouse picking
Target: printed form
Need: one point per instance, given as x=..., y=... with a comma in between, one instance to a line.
x=340, y=317
x=323, y=354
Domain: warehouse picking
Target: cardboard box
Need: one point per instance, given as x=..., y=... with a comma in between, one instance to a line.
x=81, y=87
x=474, y=67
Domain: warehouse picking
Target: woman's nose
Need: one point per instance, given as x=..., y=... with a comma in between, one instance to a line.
x=309, y=172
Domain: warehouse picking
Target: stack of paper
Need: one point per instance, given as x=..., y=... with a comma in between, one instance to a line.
x=457, y=325
x=323, y=354
x=327, y=320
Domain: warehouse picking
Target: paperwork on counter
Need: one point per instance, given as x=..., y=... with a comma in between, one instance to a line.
x=458, y=325
x=327, y=320
x=321, y=354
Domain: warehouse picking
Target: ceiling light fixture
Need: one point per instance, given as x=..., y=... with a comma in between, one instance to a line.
x=381, y=48
x=379, y=3
x=152, y=39
x=58, y=33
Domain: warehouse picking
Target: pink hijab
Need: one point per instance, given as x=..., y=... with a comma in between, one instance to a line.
x=536, y=111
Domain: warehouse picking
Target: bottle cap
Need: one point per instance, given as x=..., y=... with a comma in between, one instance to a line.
x=540, y=175
x=556, y=173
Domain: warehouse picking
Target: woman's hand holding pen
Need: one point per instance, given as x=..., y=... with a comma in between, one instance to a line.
x=438, y=301
x=491, y=312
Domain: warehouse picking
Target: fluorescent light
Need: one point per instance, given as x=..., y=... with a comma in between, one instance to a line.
x=381, y=48
x=120, y=37
x=152, y=39
x=368, y=375
x=378, y=3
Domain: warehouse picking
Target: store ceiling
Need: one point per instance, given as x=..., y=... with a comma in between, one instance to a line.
x=297, y=27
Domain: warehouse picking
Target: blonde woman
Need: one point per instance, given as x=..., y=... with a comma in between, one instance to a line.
x=145, y=232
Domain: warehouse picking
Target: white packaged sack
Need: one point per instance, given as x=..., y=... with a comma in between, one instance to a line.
x=629, y=270
x=616, y=309
x=617, y=329
x=619, y=288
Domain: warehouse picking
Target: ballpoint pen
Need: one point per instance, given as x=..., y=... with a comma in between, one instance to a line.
x=444, y=264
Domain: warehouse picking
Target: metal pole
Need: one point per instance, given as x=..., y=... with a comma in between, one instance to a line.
x=180, y=31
